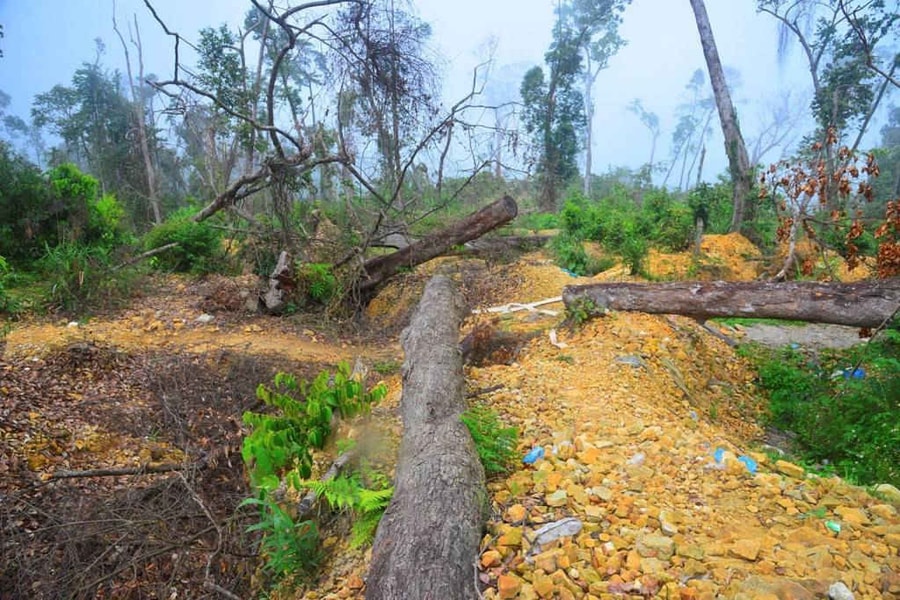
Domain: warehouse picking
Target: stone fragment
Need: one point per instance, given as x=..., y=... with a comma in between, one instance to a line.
x=543, y=586
x=746, y=549
x=557, y=498
x=889, y=492
x=852, y=515
x=512, y=537
x=491, y=558
x=655, y=546
x=691, y=551
x=516, y=513
x=756, y=587
x=790, y=469
x=508, y=586
x=839, y=591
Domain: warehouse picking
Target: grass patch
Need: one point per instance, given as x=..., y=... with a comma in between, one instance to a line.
x=843, y=405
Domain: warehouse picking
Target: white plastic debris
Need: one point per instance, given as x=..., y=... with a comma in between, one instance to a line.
x=553, y=531
x=839, y=591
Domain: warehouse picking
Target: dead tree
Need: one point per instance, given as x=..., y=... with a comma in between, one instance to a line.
x=861, y=304
x=427, y=542
x=377, y=270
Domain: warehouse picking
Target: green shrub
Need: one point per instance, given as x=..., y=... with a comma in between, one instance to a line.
x=571, y=255
x=80, y=278
x=199, y=248
x=538, y=221
x=278, y=453
x=633, y=250
x=495, y=444
x=7, y=304
x=850, y=422
x=317, y=283
x=287, y=546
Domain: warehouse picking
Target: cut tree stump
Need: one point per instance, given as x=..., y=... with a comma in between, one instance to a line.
x=427, y=542
x=861, y=304
x=378, y=270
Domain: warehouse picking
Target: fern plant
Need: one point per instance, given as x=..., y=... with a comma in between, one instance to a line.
x=347, y=493
x=317, y=281
x=495, y=444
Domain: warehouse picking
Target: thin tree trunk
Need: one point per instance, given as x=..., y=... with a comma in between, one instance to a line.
x=427, y=541
x=862, y=304
x=138, y=105
x=738, y=160
x=589, y=130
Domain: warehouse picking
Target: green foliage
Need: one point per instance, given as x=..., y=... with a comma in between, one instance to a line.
x=317, y=282
x=571, y=255
x=79, y=278
x=849, y=422
x=285, y=440
x=199, y=248
x=580, y=311
x=278, y=451
x=495, y=444
x=713, y=203
x=538, y=221
x=386, y=367
x=349, y=493
x=287, y=546
x=7, y=304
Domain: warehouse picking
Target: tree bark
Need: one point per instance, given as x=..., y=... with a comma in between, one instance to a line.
x=427, y=542
x=738, y=160
x=377, y=270
x=862, y=304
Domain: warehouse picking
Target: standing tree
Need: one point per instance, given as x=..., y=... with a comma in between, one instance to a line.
x=650, y=120
x=554, y=111
x=848, y=79
x=391, y=80
x=138, y=98
x=596, y=24
x=738, y=161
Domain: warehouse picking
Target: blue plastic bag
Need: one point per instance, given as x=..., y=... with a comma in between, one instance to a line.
x=536, y=453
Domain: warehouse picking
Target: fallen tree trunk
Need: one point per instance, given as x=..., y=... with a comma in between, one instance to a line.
x=861, y=304
x=427, y=542
x=378, y=270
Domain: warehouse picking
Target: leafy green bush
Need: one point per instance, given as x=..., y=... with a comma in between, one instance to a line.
x=287, y=546
x=278, y=452
x=538, y=221
x=7, y=304
x=80, y=278
x=317, y=283
x=850, y=421
x=495, y=444
x=286, y=440
x=571, y=255
x=199, y=248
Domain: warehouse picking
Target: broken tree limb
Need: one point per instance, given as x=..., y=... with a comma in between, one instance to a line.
x=145, y=255
x=378, y=270
x=117, y=472
x=427, y=542
x=860, y=304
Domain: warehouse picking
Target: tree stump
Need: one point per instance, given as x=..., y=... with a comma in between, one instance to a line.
x=426, y=546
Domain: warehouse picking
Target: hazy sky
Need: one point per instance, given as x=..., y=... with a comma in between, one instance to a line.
x=46, y=40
